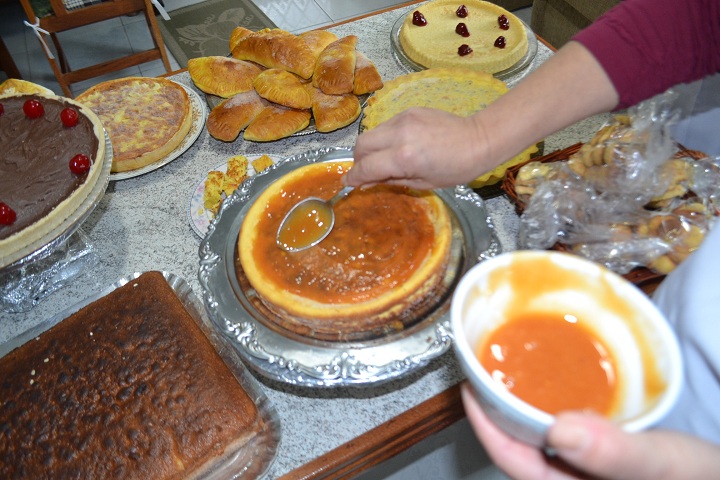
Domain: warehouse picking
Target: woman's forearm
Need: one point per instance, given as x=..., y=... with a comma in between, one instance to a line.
x=412, y=148
x=567, y=88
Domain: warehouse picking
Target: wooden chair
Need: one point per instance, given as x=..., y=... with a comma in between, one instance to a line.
x=7, y=64
x=57, y=17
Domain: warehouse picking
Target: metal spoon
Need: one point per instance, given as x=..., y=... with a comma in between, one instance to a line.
x=308, y=222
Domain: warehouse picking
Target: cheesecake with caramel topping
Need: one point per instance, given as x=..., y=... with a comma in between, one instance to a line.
x=381, y=268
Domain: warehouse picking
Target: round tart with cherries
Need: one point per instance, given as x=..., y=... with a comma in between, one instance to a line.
x=53, y=152
x=473, y=34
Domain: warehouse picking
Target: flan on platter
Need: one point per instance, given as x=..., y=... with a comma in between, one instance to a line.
x=37, y=183
x=383, y=266
x=491, y=39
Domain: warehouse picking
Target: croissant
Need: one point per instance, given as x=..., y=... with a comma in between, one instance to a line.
x=334, y=111
x=367, y=79
x=335, y=67
x=222, y=76
x=275, y=48
x=238, y=34
x=283, y=88
x=318, y=40
x=276, y=122
x=230, y=116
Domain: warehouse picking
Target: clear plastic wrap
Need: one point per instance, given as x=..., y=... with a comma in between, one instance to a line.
x=627, y=198
x=24, y=284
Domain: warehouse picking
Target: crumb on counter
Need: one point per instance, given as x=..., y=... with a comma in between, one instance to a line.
x=262, y=163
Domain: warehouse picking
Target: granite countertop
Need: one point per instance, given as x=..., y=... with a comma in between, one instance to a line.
x=142, y=224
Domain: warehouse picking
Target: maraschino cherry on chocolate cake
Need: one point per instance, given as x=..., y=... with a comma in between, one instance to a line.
x=52, y=153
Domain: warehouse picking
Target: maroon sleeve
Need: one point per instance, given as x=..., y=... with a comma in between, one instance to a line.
x=647, y=46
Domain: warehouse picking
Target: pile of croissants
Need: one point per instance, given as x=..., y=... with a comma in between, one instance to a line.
x=275, y=82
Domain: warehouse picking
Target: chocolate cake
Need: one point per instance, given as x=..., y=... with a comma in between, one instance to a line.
x=127, y=387
x=38, y=187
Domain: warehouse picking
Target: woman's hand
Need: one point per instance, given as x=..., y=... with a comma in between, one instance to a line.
x=420, y=148
x=589, y=446
x=426, y=148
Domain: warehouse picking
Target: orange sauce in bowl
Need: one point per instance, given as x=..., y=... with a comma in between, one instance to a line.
x=551, y=361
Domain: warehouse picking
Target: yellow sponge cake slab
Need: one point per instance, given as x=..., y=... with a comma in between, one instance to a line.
x=455, y=90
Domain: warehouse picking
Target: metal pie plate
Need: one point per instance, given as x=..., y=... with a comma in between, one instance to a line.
x=409, y=64
x=297, y=360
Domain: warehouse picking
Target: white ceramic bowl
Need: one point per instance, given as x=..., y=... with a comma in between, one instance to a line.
x=643, y=344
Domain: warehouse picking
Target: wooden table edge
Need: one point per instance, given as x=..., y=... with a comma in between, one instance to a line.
x=372, y=14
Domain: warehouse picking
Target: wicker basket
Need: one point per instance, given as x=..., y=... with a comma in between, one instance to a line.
x=642, y=277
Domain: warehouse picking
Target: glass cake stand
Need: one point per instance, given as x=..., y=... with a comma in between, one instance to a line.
x=41, y=267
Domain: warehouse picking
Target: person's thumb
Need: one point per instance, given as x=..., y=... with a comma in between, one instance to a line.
x=596, y=446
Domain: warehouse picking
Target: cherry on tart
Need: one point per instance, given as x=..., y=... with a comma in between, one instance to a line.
x=7, y=214
x=69, y=117
x=464, y=49
x=462, y=30
x=80, y=164
x=462, y=11
x=33, y=109
x=500, y=42
x=503, y=22
x=419, y=19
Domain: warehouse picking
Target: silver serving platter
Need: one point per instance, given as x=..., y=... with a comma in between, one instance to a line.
x=410, y=65
x=304, y=361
